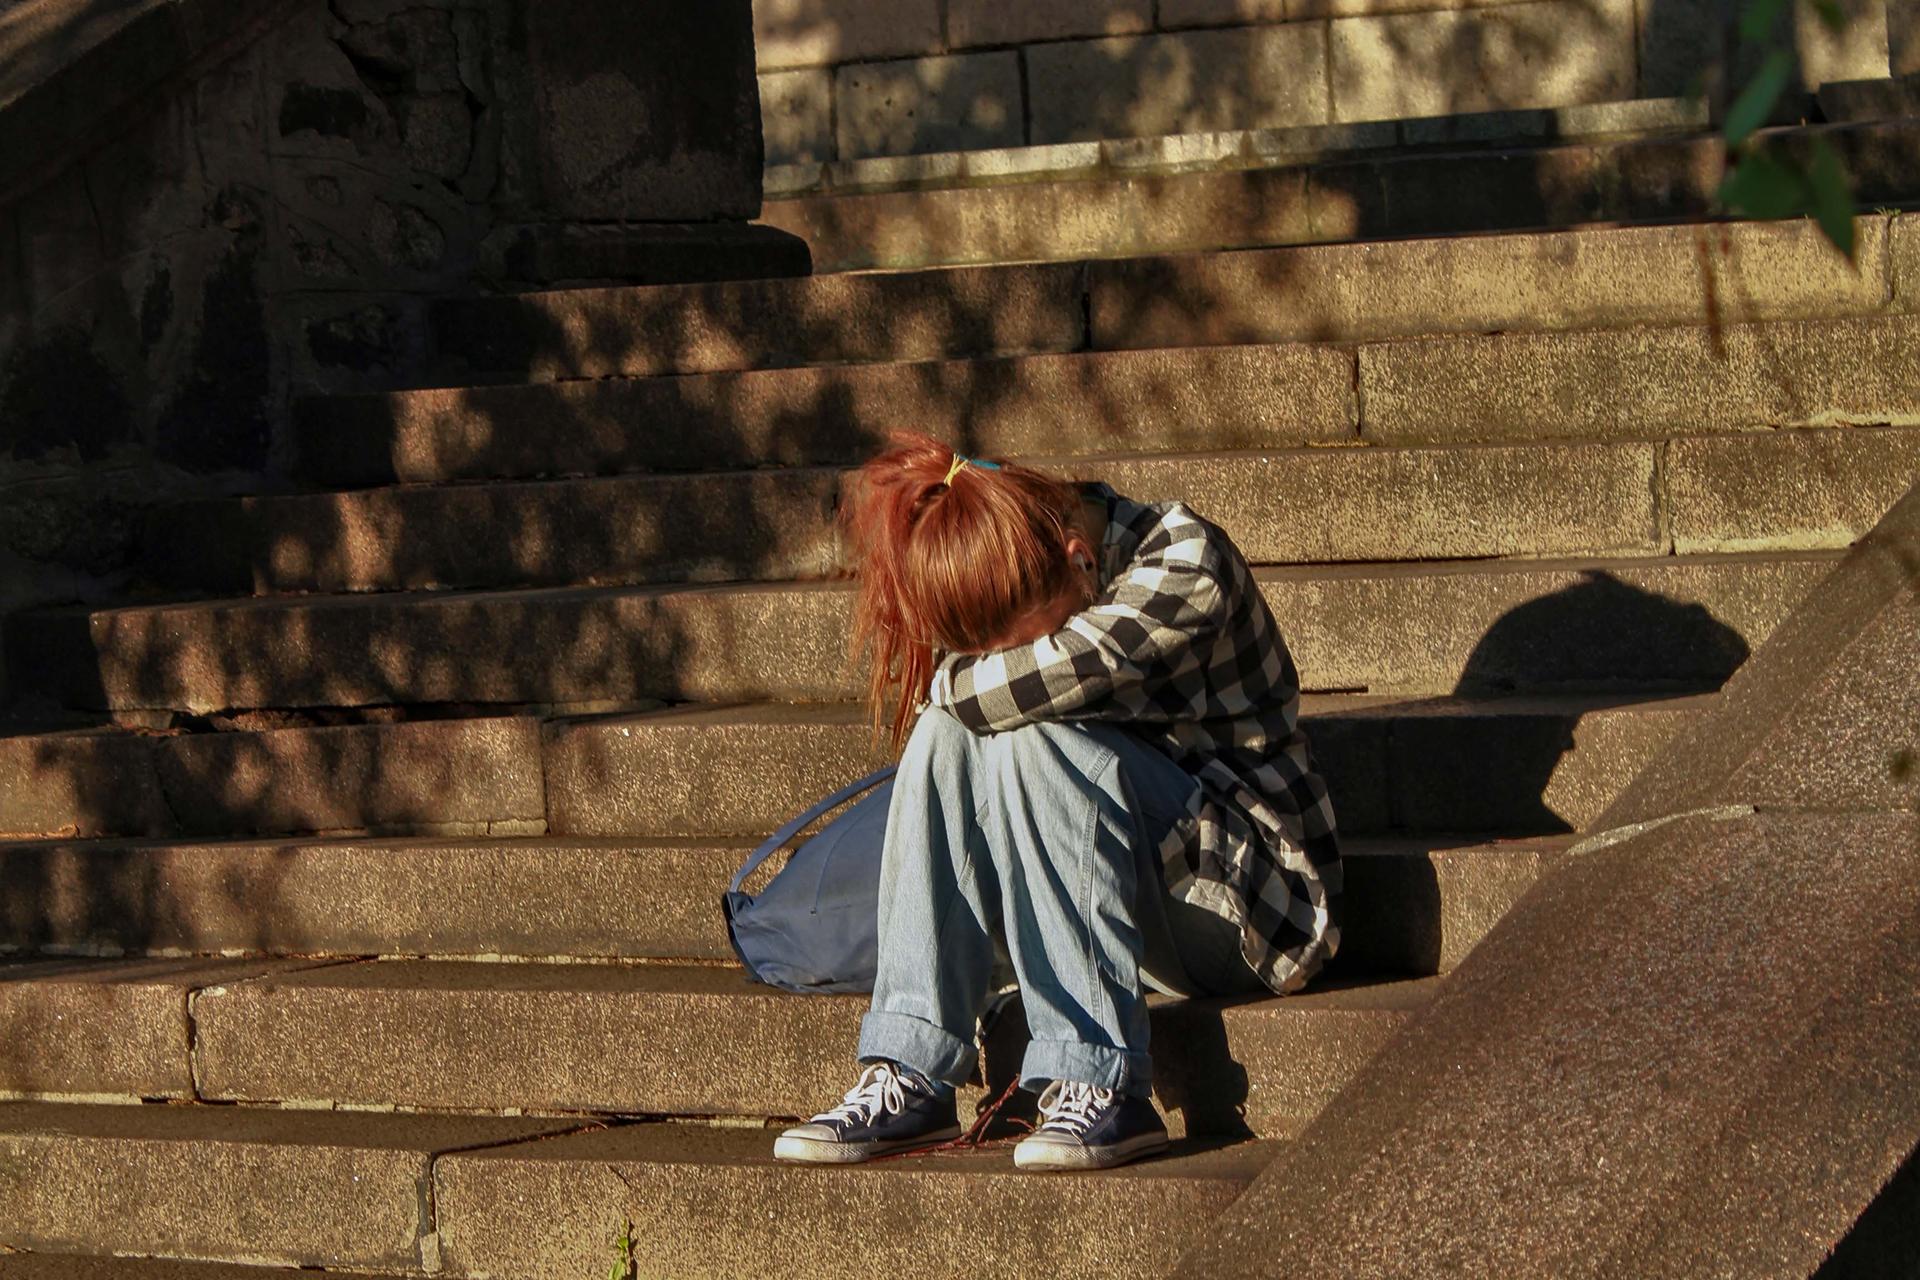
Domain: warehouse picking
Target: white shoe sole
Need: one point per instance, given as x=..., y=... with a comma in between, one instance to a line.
x=802, y=1150
x=1066, y=1156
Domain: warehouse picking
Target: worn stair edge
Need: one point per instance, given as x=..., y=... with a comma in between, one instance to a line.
x=1524, y=625
x=241, y=1184
x=451, y=776
x=79, y=1029
x=1340, y=199
x=703, y=1200
x=81, y=1266
x=1797, y=490
x=1592, y=277
x=1522, y=765
x=1576, y=385
x=667, y=1039
x=1413, y=906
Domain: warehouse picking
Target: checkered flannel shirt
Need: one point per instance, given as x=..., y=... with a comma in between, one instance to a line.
x=1180, y=646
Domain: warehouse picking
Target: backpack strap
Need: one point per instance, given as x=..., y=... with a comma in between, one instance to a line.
x=793, y=828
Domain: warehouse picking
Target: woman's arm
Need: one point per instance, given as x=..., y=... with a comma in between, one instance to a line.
x=1151, y=625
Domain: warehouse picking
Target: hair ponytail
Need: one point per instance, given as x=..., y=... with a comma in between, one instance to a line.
x=948, y=556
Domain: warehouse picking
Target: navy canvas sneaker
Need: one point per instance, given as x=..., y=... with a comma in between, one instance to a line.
x=1085, y=1127
x=890, y=1109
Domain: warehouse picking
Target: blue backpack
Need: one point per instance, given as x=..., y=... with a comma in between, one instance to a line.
x=815, y=927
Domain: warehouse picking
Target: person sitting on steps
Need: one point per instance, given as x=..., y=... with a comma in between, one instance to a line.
x=1103, y=772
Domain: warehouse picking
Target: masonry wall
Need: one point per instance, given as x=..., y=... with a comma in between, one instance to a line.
x=275, y=220
x=844, y=79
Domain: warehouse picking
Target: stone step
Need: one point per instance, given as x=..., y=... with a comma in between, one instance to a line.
x=281, y=1188
x=456, y=776
x=1520, y=765
x=705, y=1200
x=1414, y=906
x=1422, y=765
x=1747, y=492
x=1588, y=278
x=629, y=1038
x=471, y=1198
x=1334, y=196
x=1509, y=624
x=80, y=1266
x=1587, y=384
x=116, y=1031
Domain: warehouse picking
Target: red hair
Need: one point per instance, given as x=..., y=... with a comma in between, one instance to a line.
x=946, y=563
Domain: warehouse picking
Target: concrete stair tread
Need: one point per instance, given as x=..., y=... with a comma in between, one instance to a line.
x=1375, y=503
x=1512, y=281
x=81, y=1266
x=409, y=1194
x=615, y=1038
x=1310, y=198
x=1560, y=623
x=1609, y=383
x=1415, y=904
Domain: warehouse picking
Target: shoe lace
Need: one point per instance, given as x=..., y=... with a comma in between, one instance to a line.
x=1072, y=1106
x=880, y=1089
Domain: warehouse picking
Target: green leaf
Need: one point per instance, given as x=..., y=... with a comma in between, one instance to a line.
x=1831, y=195
x=1760, y=186
x=1832, y=16
x=1750, y=110
x=1757, y=19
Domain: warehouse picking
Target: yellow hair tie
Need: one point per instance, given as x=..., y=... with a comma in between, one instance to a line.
x=954, y=470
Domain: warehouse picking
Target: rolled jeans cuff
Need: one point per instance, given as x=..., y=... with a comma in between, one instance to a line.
x=1108, y=1068
x=933, y=1051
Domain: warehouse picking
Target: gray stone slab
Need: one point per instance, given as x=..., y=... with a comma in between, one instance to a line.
x=529, y=896
x=1417, y=906
x=1590, y=278
x=818, y=33
x=699, y=1199
x=1598, y=1091
x=1824, y=717
x=1188, y=82
x=1513, y=626
x=1175, y=14
x=621, y=131
x=796, y=115
x=1815, y=488
x=77, y=784
x=705, y=1040
x=1903, y=37
x=992, y=22
x=51, y=1266
x=752, y=324
x=1554, y=53
x=1522, y=765
x=1218, y=398
x=85, y=1029
x=1646, y=382
x=952, y=103
x=268, y=1187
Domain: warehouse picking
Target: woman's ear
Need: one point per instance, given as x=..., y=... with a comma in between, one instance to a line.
x=1079, y=554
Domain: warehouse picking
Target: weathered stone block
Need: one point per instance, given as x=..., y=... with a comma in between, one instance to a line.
x=994, y=22
x=1189, y=82
x=1680, y=43
x=102, y=1029
x=1521, y=55
x=1858, y=51
x=1903, y=37
x=1571, y=280
x=1646, y=382
x=956, y=103
x=229, y=1183
x=1627, y=1077
x=814, y=33
x=1905, y=251
x=1175, y=14
x=623, y=131
x=796, y=115
x=77, y=784
x=1820, y=488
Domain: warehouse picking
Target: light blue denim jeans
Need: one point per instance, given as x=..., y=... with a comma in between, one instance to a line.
x=1043, y=840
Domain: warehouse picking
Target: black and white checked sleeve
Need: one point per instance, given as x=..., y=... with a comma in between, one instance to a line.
x=1150, y=626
